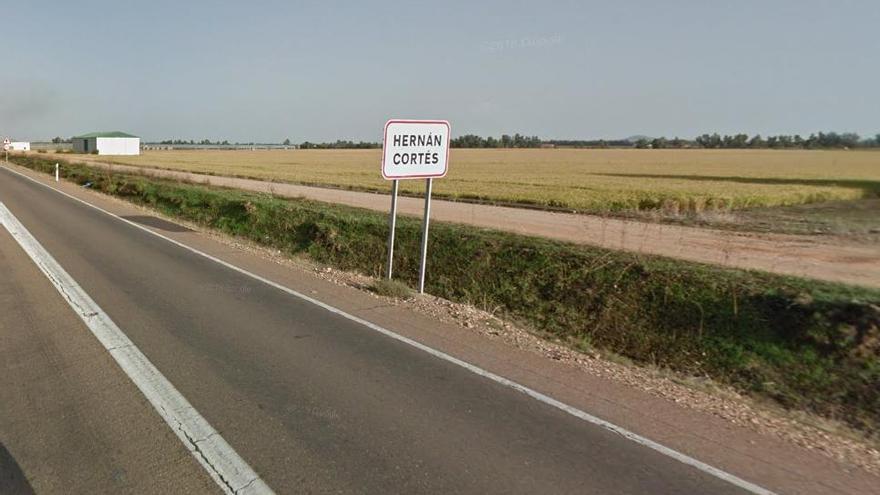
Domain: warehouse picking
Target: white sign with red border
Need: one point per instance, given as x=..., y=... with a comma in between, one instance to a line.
x=415, y=149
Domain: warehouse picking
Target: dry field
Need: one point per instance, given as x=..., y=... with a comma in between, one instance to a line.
x=583, y=180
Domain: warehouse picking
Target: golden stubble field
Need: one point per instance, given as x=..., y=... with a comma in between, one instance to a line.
x=584, y=180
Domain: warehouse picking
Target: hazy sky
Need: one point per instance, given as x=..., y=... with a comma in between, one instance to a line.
x=265, y=71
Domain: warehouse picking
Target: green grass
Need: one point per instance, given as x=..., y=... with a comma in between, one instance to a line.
x=391, y=288
x=806, y=344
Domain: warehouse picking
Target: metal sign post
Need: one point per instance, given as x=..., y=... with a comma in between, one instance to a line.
x=6, y=149
x=413, y=149
x=425, y=221
x=392, y=223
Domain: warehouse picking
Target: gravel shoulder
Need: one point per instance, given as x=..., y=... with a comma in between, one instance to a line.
x=815, y=434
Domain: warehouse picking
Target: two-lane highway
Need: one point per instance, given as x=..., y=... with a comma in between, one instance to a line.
x=316, y=402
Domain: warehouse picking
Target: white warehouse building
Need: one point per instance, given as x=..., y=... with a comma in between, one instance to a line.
x=20, y=146
x=107, y=143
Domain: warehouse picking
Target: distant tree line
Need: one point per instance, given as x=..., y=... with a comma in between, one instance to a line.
x=589, y=143
x=205, y=142
x=505, y=141
x=340, y=145
x=822, y=140
x=662, y=143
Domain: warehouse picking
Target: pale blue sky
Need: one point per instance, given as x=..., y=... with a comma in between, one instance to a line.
x=267, y=70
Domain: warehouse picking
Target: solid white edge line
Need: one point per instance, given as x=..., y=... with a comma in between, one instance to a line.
x=667, y=451
x=231, y=473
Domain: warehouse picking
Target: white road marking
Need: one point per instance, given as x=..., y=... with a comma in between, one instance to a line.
x=647, y=442
x=230, y=471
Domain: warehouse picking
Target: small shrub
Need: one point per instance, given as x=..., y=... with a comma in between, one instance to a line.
x=391, y=288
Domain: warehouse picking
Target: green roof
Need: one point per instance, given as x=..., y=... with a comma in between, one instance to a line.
x=104, y=135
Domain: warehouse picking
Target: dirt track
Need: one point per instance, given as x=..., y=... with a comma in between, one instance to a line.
x=823, y=258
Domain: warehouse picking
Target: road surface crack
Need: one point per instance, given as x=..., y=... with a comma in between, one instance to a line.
x=249, y=483
x=194, y=445
x=197, y=449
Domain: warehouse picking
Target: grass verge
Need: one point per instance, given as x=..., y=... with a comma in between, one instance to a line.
x=391, y=288
x=808, y=345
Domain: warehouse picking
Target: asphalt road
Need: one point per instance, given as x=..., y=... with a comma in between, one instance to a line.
x=70, y=420
x=317, y=403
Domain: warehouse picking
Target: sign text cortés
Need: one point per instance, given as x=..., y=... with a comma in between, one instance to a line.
x=415, y=149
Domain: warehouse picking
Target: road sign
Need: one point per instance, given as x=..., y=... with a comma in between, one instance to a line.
x=415, y=149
